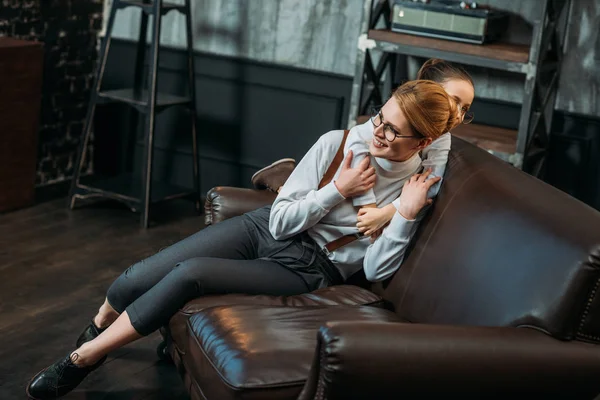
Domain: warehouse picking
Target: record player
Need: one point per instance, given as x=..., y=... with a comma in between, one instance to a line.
x=452, y=20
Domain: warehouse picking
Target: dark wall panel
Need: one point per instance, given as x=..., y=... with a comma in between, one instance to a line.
x=250, y=114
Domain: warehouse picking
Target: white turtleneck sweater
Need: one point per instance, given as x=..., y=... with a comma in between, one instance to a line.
x=326, y=215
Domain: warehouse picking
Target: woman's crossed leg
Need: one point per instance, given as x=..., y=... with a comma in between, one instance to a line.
x=219, y=259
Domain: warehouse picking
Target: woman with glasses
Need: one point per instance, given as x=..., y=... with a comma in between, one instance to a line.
x=457, y=83
x=279, y=250
x=434, y=153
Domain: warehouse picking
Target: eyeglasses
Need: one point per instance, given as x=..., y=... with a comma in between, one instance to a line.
x=388, y=130
x=466, y=115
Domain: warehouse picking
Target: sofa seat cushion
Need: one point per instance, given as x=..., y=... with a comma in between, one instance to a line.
x=258, y=352
x=331, y=296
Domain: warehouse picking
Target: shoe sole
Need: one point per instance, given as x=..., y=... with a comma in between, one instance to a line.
x=272, y=165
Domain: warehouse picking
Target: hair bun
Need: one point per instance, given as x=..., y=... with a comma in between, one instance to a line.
x=428, y=109
x=432, y=61
x=440, y=71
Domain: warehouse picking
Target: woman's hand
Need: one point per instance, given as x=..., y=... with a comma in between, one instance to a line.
x=372, y=220
x=414, y=194
x=355, y=181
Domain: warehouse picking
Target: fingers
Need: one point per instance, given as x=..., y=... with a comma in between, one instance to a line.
x=424, y=178
x=362, y=227
x=348, y=160
x=424, y=175
x=361, y=212
x=370, y=180
x=432, y=181
x=368, y=172
x=363, y=188
x=364, y=164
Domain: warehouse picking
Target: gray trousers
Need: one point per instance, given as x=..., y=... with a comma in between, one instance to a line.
x=238, y=255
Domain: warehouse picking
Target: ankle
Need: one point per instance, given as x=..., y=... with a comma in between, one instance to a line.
x=102, y=321
x=84, y=356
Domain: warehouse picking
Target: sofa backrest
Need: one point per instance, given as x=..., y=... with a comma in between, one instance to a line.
x=501, y=248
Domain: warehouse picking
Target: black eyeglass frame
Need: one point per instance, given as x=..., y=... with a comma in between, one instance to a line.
x=376, y=112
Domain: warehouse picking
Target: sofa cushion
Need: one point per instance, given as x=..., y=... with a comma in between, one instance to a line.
x=330, y=296
x=259, y=352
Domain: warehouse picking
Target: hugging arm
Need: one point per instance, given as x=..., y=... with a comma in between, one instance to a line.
x=300, y=204
x=385, y=255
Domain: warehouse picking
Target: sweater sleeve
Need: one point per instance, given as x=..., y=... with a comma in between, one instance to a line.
x=385, y=255
x=435, y=156
x=300, y=205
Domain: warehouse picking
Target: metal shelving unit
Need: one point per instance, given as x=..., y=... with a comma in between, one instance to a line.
x=139, y=190
x=539, y=62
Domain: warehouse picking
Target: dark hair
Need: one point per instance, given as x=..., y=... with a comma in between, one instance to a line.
x=441, y=71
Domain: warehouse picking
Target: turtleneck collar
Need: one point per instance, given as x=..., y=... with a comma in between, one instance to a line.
x=397, y=166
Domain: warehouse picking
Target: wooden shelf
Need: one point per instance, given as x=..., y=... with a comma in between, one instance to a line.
x=506, y=56
x=488, y=137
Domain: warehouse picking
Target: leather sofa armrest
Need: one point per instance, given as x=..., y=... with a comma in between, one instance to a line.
x=223, y=202
x=374, y=360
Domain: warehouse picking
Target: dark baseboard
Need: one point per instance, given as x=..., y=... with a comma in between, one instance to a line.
x=250, y=114
x=52, y=191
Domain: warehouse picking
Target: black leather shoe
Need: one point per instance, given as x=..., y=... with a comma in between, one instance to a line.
x=273, y=176
x=58, y=379
x=89, y=333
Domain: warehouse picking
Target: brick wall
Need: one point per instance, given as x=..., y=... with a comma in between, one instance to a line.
x=69, y=30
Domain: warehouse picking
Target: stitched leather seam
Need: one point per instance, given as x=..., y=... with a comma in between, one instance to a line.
x=586, y=313
x=193, y=381
x=374, y=303
x=321, y=380
x=583, y=335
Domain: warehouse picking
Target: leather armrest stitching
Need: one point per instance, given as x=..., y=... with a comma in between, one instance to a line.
x=320, y=394
x=586, y=313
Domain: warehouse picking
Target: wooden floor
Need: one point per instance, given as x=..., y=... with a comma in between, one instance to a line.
x=55, y=267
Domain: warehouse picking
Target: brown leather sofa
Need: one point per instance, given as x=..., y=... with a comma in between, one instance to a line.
x=497, y=298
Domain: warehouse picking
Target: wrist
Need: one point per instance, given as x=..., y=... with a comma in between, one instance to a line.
x=407, y=214
x=339, y=189
x=389, y=210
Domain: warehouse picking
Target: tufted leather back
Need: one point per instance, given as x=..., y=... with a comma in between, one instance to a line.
x=501, y=248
